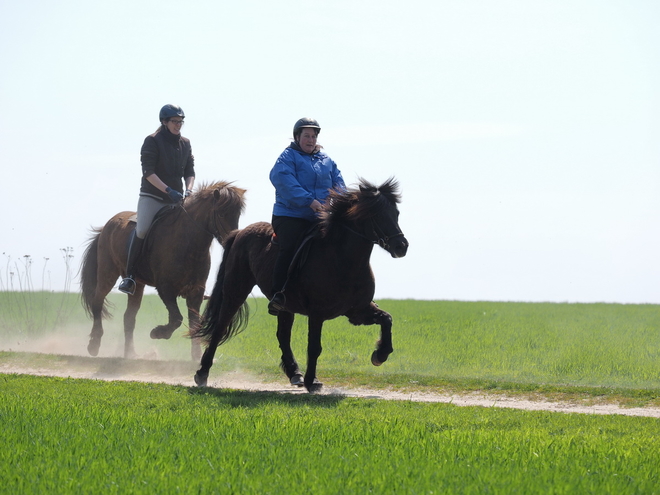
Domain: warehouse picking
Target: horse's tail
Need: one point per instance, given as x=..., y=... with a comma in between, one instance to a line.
x=210, y=318
x=89, y=276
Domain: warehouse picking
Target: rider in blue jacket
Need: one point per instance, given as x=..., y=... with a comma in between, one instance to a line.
x=303, y=175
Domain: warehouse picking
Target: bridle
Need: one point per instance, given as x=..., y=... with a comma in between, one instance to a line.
x=215, y=233
x=379, y=237
x=383, y=240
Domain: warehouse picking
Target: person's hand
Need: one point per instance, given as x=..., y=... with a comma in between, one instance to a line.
x=188, y=193
x=174, y=195
x=316, y=206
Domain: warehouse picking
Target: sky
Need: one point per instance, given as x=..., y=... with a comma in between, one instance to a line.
x=524, y=135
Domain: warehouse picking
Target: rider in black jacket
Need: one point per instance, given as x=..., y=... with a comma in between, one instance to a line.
x=167, y=161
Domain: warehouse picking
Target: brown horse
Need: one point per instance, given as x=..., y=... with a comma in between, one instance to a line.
x=335, y=279
x=175, y=260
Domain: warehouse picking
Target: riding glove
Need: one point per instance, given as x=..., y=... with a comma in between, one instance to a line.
x=175, y=195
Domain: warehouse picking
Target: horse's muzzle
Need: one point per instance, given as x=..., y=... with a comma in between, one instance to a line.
x=398, y=247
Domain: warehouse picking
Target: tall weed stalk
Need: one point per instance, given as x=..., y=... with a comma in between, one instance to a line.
x=27, y=311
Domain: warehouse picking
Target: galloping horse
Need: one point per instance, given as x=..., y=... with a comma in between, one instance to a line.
x=175, y=260
x=335, y=279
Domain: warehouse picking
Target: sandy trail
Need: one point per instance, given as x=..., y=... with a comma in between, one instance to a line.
x=181, y=373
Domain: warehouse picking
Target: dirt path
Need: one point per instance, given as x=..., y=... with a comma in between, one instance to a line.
x=178, y=373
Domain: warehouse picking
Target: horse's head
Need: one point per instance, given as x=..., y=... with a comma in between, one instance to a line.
x=374, y=214
x=221, y=204
x=228, y=207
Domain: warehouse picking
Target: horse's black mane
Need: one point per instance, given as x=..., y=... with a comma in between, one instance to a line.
x=360, y=203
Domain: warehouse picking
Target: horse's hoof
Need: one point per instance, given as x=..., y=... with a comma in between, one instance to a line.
x=374, y=359
x=200, y=380
x=160, y=332
x=315, y=386
x=297, y=381
x=93, y=348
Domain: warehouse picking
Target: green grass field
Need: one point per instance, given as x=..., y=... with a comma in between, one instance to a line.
x=87, y=436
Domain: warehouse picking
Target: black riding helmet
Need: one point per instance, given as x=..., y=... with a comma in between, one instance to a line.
x=169, y=111
x=305, y=122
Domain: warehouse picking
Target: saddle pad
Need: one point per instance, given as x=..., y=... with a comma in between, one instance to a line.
x=133, y=218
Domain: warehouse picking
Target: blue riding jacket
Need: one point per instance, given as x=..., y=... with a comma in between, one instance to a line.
x=300, y=178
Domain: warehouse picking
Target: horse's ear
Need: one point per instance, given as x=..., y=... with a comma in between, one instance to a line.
x=216, y=194
x=368, y=189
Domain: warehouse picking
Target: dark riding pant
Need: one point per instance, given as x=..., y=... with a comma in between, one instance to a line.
x=289, y=231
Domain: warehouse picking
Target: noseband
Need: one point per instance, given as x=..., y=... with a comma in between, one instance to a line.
x=379, y=237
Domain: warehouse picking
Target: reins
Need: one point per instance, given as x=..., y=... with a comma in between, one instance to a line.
x=215, y=234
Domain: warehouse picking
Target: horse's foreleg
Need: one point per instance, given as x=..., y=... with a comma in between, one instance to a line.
x=175, y=317
x=314, y=350
x=194, y=303
x=132, y=308
x=384, y=345
x=288, y=363
x=375, y=316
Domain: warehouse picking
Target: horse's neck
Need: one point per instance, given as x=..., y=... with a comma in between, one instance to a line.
x=350, y=245
x=199, y=224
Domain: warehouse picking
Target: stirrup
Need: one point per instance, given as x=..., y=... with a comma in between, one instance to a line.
x=127, y=286
x=277, y=303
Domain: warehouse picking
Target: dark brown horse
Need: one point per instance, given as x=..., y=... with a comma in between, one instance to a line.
x=335, y=279
x=175, y=260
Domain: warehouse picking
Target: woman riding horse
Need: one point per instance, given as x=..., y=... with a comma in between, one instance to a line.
x=334, y=278
x=166, y=158
x=303, y=175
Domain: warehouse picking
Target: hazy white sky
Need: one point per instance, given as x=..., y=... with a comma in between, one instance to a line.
x=524, y=134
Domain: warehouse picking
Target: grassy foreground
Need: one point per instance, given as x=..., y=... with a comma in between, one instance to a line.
x=85, y=436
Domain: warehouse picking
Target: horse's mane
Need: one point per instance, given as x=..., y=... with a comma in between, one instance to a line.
x=230, y=196
x=360, y=203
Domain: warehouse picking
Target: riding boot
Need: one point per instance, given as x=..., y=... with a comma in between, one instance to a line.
x=127, y=285
x=277, y=303
x=280, y=275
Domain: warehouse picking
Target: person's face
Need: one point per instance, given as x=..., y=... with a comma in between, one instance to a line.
x=307, y=139
x=174, y=125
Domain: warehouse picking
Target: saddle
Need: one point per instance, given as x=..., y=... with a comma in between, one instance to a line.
x=164, y=211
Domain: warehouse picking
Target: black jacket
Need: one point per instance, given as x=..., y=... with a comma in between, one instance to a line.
x=170, y=157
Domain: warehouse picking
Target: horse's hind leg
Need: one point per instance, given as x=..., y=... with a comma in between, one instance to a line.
x=96, y=308
x=232, y=303
x=96, y=333
x=132, y=308
x=370, y=316
x=175, y=316
x=194, y=303
x=288, y=363
x=227, y=313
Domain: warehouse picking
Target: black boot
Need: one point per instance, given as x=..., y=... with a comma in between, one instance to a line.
x=127, y=285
